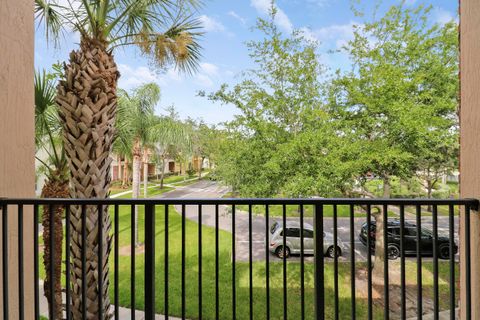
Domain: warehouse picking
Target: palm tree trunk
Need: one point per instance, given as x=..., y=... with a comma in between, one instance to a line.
x=163, y=172
x=145, y=173
x=87, y=106
x=137, y=160
x=53, y=189
x=125, y=173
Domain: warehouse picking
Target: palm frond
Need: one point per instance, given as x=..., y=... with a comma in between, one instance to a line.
x=49, y=14
x=166, y=132
x=48, y=126
x=47, y=122
x=165, y=31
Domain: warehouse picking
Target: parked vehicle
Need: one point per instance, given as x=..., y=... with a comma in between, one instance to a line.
x=410, y=240
x=293, y=240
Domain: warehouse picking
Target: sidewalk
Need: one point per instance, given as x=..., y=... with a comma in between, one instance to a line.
x=444, y=315
x=170, y=185
x=124, y=313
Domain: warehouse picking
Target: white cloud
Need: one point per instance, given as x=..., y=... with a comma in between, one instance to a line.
x=233, y=14
x=207, y=75
x=209, y=69
x=281, y=18
x=203, y=80
x=340, y=34
x=133, y=77
x=410, y=2
x=171, y=74
x=75, y=5
x=308, y=34
x=211, y=24
x=443, y=16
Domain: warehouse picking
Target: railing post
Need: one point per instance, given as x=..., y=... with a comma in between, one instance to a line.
x=319, y=263
x=150, y=262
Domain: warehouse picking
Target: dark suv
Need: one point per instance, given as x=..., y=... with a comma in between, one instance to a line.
x=410, y=240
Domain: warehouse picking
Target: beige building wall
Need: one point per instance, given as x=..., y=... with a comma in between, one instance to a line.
x=470, y=138
x=17, y=150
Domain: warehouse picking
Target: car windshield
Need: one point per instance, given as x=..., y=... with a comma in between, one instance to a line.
x=274, y=227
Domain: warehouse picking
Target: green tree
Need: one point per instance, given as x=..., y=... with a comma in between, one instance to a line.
x=51, y=154
x=165, y=32
x=437, y=156
x=168, y=137
x=402, y=87
x=203, y=141
x=280, y=108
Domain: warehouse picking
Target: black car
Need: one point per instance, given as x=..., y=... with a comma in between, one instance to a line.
x=410, y=240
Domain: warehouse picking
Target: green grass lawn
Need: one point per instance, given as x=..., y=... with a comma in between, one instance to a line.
x=343, y=211
x=151, y=192
x=208, y=267
x=241, y=269
x=173, y=179
x=117, y=188
x=442, y=211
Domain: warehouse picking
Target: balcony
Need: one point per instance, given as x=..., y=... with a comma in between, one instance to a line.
x=226, y=270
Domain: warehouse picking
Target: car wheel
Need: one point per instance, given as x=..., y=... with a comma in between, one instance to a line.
x=279, y=252
x=393, y=252
x=331, y=252
x=444, y=251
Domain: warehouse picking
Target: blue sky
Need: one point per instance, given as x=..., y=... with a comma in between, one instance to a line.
x=228, y=25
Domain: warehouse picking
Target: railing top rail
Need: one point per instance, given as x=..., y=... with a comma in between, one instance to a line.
x=472, y=203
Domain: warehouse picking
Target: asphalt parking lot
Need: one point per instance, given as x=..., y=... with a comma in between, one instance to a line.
x=208, y=189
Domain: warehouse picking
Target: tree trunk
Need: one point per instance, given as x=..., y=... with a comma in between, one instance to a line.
x=137, y=160
x=163, y=172
x=378, y=272
x=87, y=107
x=145, y=173
x=53, y=189
x=125, y=173
x=387, y=188
x=429, y=193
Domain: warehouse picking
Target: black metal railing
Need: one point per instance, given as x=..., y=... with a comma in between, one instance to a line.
x=253, y=283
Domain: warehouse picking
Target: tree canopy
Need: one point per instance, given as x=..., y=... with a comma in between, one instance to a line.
x=304, y=132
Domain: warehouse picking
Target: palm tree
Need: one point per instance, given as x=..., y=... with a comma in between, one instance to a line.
x=135, y=118
x=145, y=132
x=123, y=149
x=164, y=31
x=55, y=167
x=122, y=145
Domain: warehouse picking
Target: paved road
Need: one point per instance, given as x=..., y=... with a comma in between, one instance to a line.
x=209, y=189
